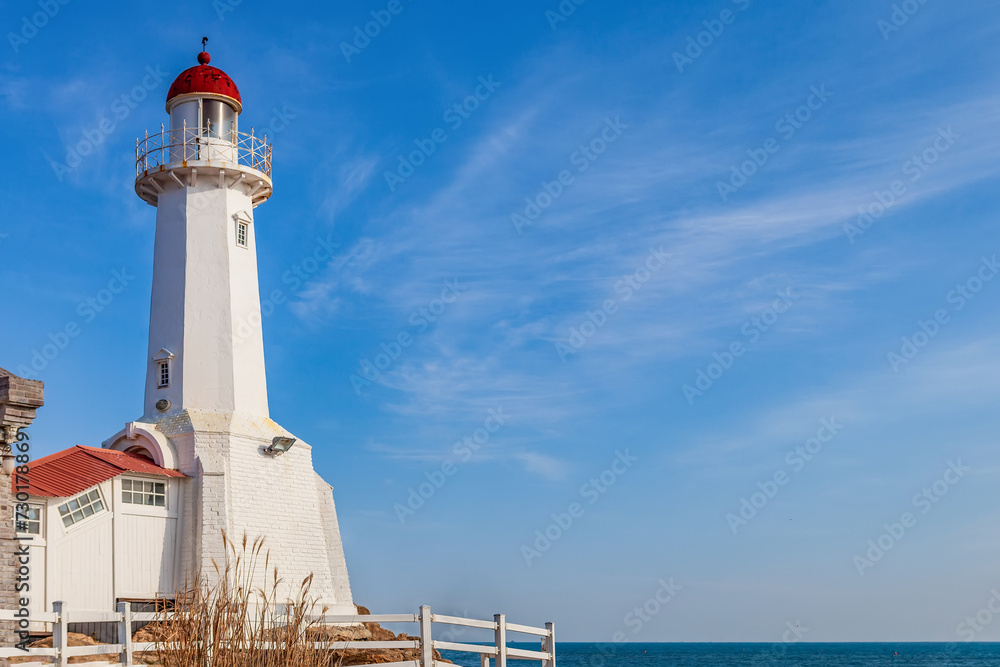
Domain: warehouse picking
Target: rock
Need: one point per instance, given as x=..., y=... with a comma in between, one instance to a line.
x=339, y=633
x=375, y=632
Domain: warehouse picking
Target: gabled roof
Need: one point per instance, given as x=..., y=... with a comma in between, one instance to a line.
x=75, y=470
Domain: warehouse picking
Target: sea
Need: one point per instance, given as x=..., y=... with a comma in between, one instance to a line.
x=569, y=654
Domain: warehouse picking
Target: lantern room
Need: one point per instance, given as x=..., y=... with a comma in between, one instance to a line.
x=204, y=107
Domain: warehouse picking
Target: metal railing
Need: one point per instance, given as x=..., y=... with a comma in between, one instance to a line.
x=193, y=144
x=126, y=649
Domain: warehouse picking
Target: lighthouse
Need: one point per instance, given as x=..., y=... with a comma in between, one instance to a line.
x=205, y=408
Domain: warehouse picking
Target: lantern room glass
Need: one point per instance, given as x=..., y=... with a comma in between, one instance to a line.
x=184, y=115
x=218, y=120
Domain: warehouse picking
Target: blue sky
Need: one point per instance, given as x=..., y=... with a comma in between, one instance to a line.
x=675, y=269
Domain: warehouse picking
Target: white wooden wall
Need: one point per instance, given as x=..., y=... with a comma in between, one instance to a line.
x=149, y=547
x=126, y=551
x=80, y=561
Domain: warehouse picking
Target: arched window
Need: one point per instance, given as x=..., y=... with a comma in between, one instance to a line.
x=139, y=450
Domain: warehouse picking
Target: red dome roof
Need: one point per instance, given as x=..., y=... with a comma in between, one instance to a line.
x=204, y=78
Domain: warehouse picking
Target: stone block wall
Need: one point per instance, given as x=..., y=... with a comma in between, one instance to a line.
x=19, y=398
x=238, y=488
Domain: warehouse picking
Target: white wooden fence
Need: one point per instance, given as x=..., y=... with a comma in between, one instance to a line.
x=60, y=617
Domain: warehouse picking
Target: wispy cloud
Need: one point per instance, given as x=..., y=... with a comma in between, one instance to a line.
x=462, y=227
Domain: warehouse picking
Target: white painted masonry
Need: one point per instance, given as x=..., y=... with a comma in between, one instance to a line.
x=202, y=283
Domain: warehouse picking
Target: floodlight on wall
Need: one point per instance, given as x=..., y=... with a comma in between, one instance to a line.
x=279, y=446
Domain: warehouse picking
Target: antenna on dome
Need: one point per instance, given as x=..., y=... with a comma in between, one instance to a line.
x=203, y=57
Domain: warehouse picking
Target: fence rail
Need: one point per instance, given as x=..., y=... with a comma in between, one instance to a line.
x=192, y=144
x=61, y=616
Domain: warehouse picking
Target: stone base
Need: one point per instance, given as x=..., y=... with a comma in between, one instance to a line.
x=239, y=489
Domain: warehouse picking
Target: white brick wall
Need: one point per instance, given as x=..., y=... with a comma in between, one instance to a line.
x=238, y=488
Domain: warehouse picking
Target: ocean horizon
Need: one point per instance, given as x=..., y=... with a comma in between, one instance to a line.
x=811, y=654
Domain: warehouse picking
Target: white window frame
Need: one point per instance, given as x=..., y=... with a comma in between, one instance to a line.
x=162, y=370
x=164, y=356
x=32, y=507
x=129, y=489
x=82, y=508
x=242, y=229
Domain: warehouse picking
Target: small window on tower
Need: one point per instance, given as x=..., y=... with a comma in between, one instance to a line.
x=242, y=230
x=164, y=374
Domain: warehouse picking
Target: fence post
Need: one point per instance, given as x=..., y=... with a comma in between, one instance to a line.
x=125, y=632
x=484, y=660
x=549, y=645
x=426, y=643
x=60, y=633
x=501, y=640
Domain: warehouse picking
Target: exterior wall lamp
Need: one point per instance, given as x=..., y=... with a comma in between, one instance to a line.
x=279, y=446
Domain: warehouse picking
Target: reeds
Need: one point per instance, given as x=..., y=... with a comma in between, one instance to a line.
x=231, y=622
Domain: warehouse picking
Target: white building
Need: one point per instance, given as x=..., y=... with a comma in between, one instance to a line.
x=205, y=451
x=103, y=527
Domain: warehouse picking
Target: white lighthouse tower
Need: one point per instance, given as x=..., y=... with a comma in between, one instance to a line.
x=206, y=410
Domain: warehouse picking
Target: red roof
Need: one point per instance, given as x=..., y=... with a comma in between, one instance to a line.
x=75, y=470
x=204, y=78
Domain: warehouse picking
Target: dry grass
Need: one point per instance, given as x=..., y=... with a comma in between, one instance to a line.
x=232, y=622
